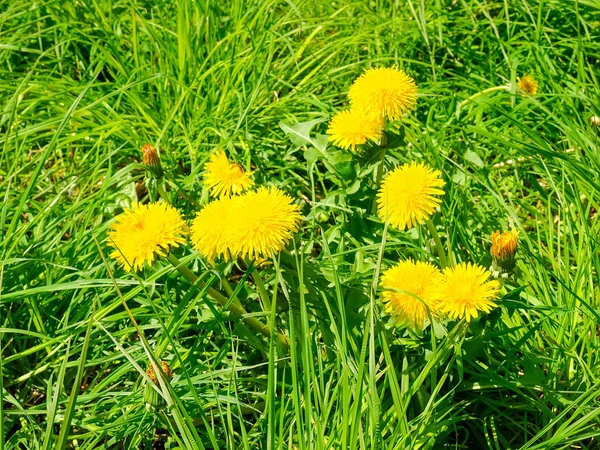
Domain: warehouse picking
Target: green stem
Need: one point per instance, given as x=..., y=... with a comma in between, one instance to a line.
x=260, y=285
x=229, y=291
x=162, y=192
x=501, y=282
x=379, y=173
x=479, y=94
x=236, y=309
x=438, y=243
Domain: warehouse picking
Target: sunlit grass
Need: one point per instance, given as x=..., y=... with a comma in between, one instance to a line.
x=86, y=84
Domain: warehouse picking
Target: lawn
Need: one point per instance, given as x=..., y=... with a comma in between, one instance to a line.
x=300, y=340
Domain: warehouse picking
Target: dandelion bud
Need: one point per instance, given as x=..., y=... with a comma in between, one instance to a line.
x=152, y=398
x=166, y=369
x=595, y=121
x=504, y=247
x=151, y=160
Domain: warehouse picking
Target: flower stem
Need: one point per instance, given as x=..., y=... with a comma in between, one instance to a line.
x=234, y=308
x=379, y=173
x=260, y=285
x=229, y=291
x=438, y=243
x=162, y=192
x=479, y=94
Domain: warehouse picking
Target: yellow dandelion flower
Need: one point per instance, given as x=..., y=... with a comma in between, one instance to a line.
x=464, y=291
x=350, y=128
x=528, y=84
x=144, y=231
x=224, y=178
x=261, y=223
x=208, y=230
x=417, y=278
x=384, y=92
x=504, y=245
x=408, y=195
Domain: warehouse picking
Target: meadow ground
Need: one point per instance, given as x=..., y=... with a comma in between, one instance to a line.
x=86, y=83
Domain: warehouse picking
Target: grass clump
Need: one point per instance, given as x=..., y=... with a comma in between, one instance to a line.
x=286, y=343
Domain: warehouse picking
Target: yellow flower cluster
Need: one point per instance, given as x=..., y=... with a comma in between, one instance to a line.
x=379, y=94
x=256, y=224
x=253, y=225
x=416, y=291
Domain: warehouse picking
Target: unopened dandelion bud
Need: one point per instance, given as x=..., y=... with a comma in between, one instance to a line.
x=595, y=121
x=152, y=398
x=504, y=248
x=165, y=368
x=151, y=160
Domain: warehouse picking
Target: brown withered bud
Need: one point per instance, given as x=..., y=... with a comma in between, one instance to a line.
x=151, y=160
x=166, y=369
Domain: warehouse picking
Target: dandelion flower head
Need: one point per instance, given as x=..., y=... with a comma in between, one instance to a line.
x=253, y=225
x=504, y=245
x=208, y=234
x=417, y=278
x=528, y=85
x=144, y=231
x=224, y=178
x=350, y=128
x=384, y=92
x=464, y=290
x=260, y=223
x=409, y=194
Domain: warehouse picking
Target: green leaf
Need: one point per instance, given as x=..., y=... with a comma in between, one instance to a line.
x=312, y=155
x=474, y=158
x=299, y=134
x=533, y=375
x=354, y=187
x=459, y=178
x=346, y=170
x=395, y=140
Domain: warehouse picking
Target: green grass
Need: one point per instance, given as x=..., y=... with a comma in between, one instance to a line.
x=85, y=84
